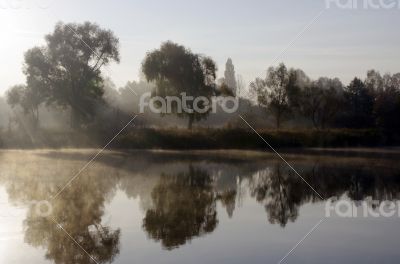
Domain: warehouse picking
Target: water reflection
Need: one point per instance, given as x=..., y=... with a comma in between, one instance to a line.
x=79, y=212
x=184, y=207
x=179, y=194
x=280, y=192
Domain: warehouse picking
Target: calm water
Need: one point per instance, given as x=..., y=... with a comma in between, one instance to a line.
x=197, y=207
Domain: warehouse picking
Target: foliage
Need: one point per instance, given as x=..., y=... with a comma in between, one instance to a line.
x=67, y=70
x=67, y=73
x=359, y=104
x=28, y=98
x=273, y=92
x=321, y=101
x=175, y=70
x=387, y=104
x=247, y=139
x=230, y=76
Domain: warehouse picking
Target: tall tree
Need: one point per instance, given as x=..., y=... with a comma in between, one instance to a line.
x=69, y=67
x=230, y=76
x=175, y=70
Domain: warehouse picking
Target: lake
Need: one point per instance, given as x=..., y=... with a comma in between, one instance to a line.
x=196, y=207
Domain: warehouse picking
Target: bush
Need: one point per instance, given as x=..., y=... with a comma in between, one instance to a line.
x=246, y=139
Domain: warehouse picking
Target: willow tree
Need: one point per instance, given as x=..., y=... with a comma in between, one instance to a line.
x=175, y=70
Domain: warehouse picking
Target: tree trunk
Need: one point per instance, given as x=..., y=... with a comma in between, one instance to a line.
x=34, y=117
x=74, y=118
x=37, y=118
x=190, y=122
x=314, y=120
x=278, y=121
x=323, y=125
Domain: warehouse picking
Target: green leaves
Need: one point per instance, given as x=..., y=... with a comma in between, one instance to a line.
x=176, y=70
x=67, y=71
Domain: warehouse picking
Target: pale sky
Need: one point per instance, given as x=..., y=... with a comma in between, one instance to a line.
x=340, y=43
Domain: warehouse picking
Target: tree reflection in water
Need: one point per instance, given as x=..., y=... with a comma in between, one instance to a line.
x=79, y=210
x=178, y=197
x=280, y=192
x=184, y=207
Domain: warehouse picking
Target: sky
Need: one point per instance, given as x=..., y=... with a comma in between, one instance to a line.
x=339, y=42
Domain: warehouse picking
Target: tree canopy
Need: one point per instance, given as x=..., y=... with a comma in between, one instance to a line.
x=272, y=93
x=67, y=70
x=230, y=76
x=175, y=70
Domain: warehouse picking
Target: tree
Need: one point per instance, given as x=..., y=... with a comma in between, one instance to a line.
x=14, y=95
x=175, y=70
x=28, y=98
x=298, y=80
x=359, y=104
x=387, y=104
x=230, y=77
x=272, y=93
x=240, y=85
x=258, y=90
x=322, y=100
x=69, y=67
x=374, y=81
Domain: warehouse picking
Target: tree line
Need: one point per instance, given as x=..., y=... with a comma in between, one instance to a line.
x=370, y=103
x=67, y=73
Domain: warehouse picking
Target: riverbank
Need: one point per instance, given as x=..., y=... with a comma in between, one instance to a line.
x=247, y=139
x=201, y=139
